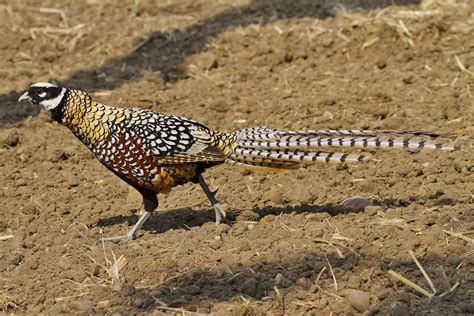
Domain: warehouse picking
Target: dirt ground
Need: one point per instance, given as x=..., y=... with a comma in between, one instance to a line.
x=290, y=247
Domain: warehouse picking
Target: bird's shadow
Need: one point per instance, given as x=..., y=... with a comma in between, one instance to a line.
x=267, y=279
x=186, y=218
x=256, y=278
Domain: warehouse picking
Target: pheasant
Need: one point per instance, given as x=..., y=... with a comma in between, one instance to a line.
x=154, y=152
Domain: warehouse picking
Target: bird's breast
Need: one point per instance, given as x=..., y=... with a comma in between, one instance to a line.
x=129, y=158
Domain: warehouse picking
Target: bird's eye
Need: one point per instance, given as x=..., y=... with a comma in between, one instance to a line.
x=39, y=92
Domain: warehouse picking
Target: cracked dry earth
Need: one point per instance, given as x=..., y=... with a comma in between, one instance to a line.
x=290, y=246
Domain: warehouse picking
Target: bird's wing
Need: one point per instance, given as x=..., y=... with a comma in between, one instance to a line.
x=172, y=139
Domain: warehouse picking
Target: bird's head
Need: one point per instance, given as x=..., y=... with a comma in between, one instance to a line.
x=45, y=94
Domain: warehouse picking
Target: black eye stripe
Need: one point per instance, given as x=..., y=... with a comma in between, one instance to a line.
x=37, y=90
x=51, y=92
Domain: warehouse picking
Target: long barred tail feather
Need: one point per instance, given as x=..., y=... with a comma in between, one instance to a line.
x=268, y=133
x=270, y=147
x=299, y=155
x=265, y=161
x=357, y=142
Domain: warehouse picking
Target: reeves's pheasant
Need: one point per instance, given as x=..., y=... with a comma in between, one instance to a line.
x=154, y=152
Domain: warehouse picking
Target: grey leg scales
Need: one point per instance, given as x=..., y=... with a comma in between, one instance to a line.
x=150, y=203
x=211, y=196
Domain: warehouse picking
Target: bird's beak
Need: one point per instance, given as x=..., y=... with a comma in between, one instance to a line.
x=24, y=96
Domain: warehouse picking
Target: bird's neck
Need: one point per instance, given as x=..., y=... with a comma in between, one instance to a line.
x=84, y=117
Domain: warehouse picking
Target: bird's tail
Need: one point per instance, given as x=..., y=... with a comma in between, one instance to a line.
x=273, y=148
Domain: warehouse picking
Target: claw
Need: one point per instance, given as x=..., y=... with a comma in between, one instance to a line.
x=220, y=213
x=123, y=239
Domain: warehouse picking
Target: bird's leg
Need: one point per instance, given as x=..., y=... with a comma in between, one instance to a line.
x=150, y=203
x=211, y=196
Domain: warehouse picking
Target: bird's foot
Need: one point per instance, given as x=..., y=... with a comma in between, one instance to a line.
x=220, y=213
x=123, y=239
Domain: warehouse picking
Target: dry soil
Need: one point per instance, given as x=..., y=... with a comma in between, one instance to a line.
x=290, y=246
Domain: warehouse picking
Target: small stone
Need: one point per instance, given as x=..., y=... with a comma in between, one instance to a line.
x=15, y=259
x=216, y=243
x=59, y=308
x=341, y=167
x=408, y=79
x=460, y=164
x=451, y=179
x=138, y=302
x=169, y=263
x=327, y=116
x=468, y=308
x=400, y=309
x=381, y=63
x=207, y=61
x=85, y=306
x=219, y=105
x=244, y=245
x=39, y=299
x=71, y=180
x=327, y=40
x=303, y=282
x=96, y=270
x=444, y=201
x=368, y=187
x=288, y=57
x=323, y=302
x=281, y=281
x=301, y=53
x=267, y=219
x=57, y=155
x=249, y=286
x=358, y=299
x=247, y=216
x=34, y=264
x=65, y=263
x=274, y=196
x=430, y=220
x=316, y=232
x=353, y=282
x=193, y=289
x=356, y=203
x=30, y=209
x=372, y=210
x=103, y=304
x=239, y=229
x=9, y=139
x=278, y=278
x=222, y=228
x=127, y=290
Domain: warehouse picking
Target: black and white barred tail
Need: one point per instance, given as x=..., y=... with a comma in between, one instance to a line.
x=273, y=148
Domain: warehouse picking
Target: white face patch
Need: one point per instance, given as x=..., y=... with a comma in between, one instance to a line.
x=50, y=104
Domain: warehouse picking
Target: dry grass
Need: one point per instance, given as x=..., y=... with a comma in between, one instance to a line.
x=6, y=237
x=406, y=25
x=9, y=303
x=332, y=272
x=459, y=235
x=417, y=287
